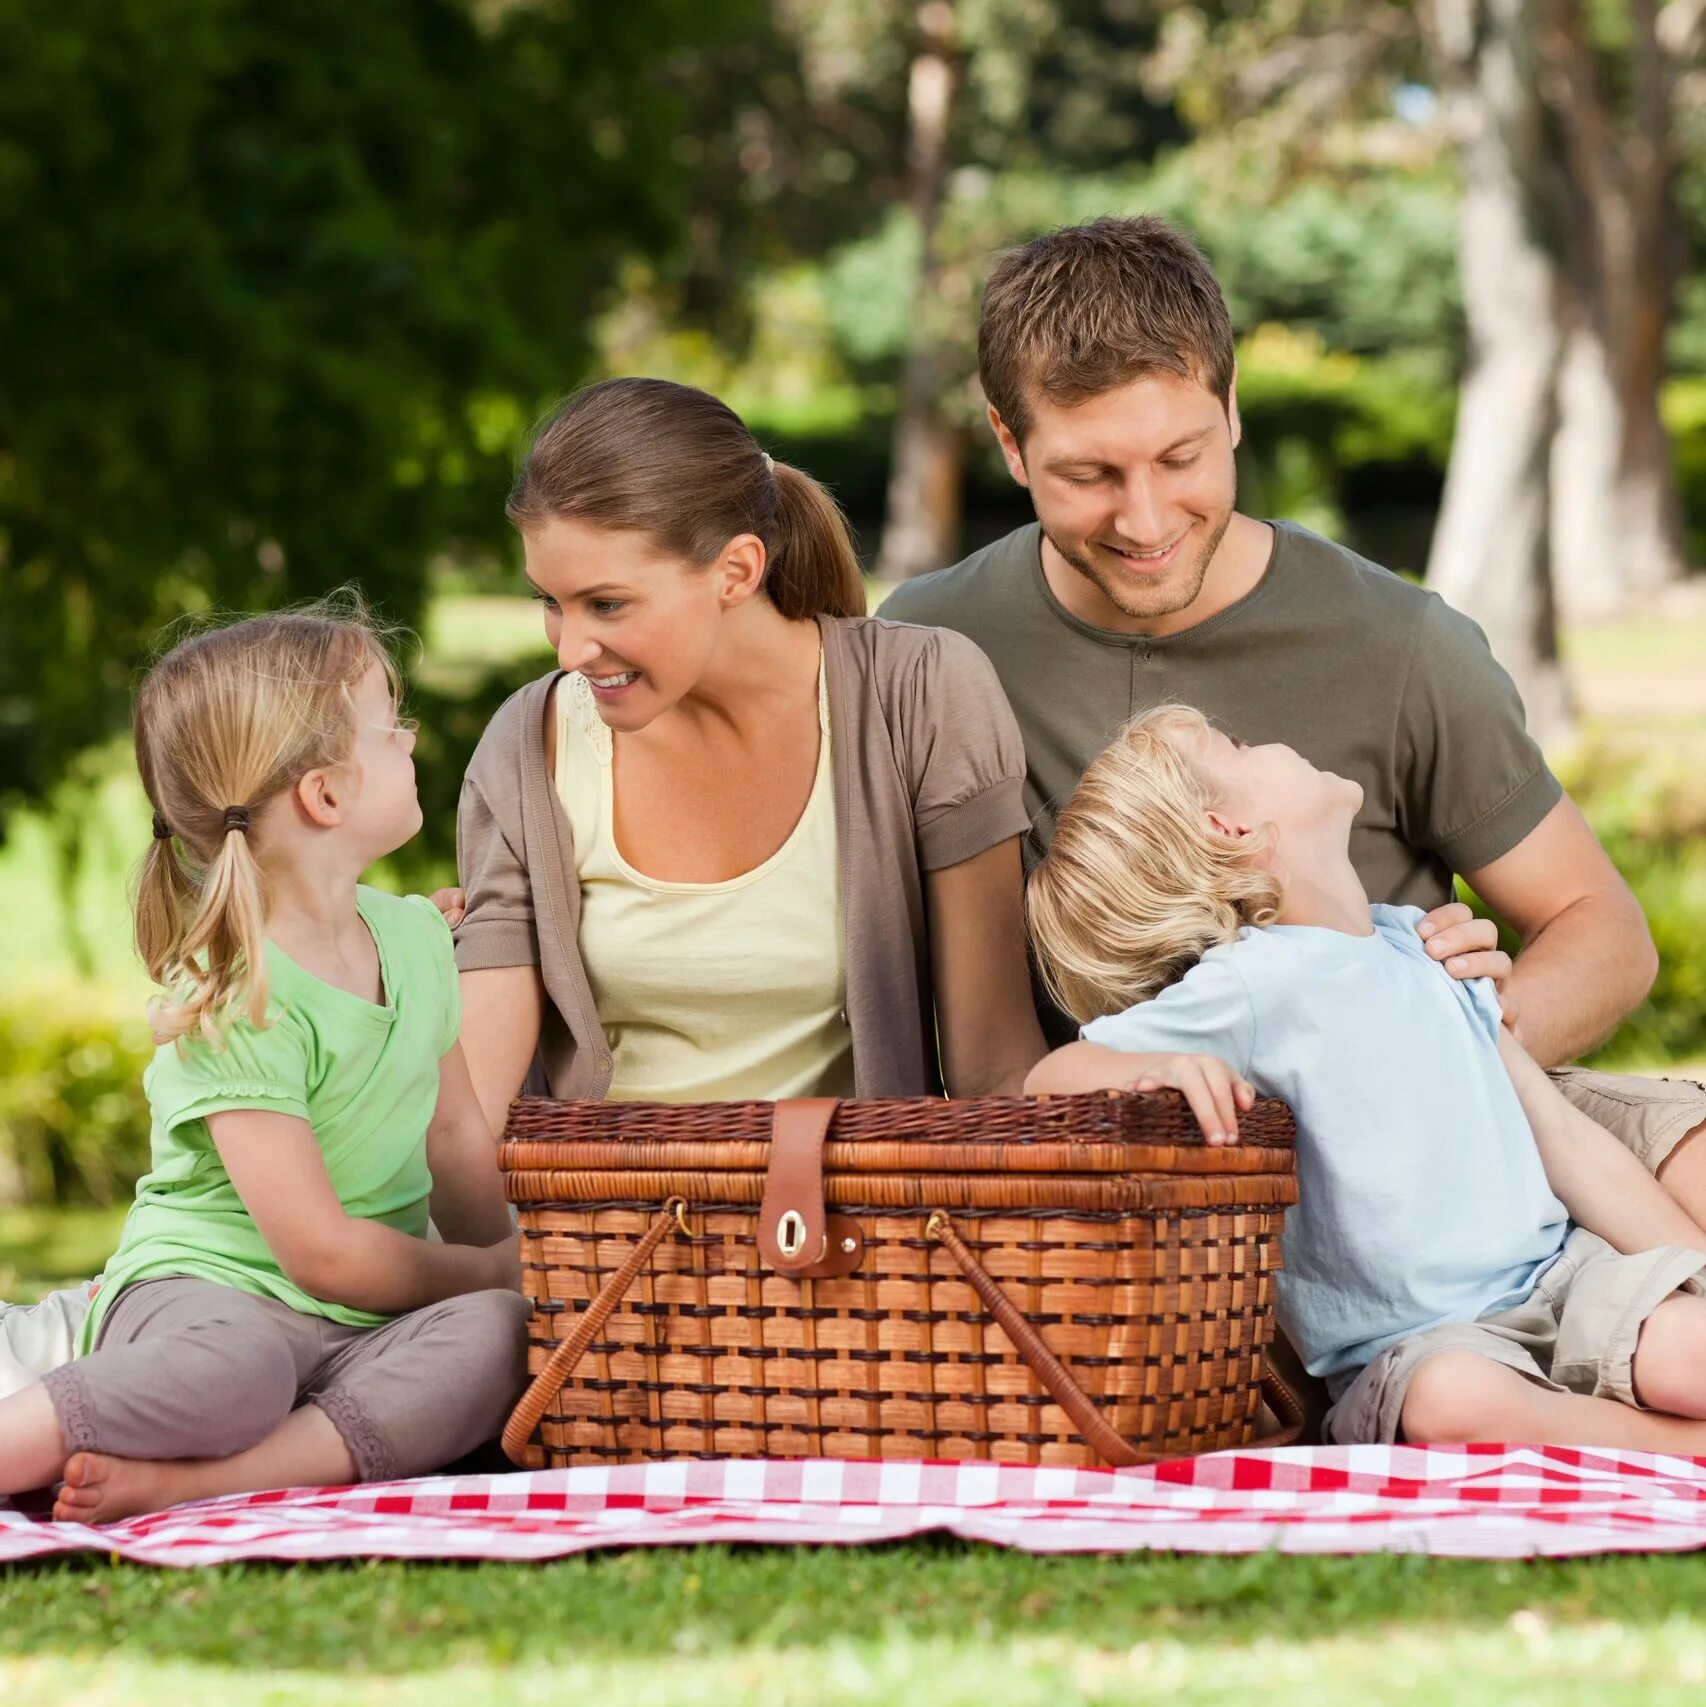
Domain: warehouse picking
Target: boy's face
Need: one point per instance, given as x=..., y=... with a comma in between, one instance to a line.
x=1133, y=488
x=1274, y=785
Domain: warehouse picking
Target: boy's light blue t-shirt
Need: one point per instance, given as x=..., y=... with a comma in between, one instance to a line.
x=1422, y=1198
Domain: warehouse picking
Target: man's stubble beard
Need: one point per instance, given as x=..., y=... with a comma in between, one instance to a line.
x=1171, y=596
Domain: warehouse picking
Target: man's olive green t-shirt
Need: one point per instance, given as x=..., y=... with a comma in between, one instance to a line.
x=1358, y=670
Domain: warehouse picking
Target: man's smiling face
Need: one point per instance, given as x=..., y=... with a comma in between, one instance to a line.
x=1134, y=488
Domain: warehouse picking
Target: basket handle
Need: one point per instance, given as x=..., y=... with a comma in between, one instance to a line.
x=548, y=1383
x=1057, y=1379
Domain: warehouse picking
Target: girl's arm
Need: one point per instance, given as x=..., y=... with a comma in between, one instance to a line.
x=503, y=1008
x=275, y=1163
x=468, y=1205
x=984, y=1014
x=1600, y=1183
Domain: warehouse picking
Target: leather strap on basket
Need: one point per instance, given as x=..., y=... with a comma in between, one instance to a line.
x=793, y=1225
x=548, y=1383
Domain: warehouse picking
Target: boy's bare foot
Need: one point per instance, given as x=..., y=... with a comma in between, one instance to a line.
x=99, y=1488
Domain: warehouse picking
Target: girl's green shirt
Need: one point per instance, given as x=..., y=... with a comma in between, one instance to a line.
x=364, y=1077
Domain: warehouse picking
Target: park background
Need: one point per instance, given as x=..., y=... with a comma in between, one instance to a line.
x=284, y=286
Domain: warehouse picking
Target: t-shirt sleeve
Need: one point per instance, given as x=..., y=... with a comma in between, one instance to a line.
x=446, y=986
x=1208, y=1012
x=255, y=1068
x=968, y=760
x=498, y=926
x=1471, y=782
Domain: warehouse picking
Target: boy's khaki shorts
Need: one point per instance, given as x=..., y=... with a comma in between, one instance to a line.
x=1649, y=1116
x=1575, y=1333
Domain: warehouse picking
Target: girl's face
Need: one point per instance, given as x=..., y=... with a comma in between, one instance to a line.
x=640, y=625
x=1274, y=785
x=384, y=810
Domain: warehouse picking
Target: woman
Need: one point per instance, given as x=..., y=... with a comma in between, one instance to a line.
x=746, y=841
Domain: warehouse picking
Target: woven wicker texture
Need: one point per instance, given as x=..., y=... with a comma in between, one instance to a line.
x=1143, y=1258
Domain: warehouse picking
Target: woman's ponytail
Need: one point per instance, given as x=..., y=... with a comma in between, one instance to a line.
x=680, y=466
x=814, y=570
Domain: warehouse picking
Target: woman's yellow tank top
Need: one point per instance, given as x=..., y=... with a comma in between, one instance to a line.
x=709, y=991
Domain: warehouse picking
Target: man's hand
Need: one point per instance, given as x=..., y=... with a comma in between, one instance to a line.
x=1468, y=946
x=452, y=903
x=1213, y=1090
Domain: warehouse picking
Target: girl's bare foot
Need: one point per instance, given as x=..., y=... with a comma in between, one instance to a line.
x=99, y=1488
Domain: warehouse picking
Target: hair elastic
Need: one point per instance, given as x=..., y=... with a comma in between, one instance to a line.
x=237, y=818
x=162, y=830
x=769, y=462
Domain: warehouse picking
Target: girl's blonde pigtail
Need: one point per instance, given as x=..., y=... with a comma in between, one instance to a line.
x=221, y=957
x=165, y=902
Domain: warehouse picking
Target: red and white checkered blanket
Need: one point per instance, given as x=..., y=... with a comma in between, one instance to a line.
x=1469, y=1502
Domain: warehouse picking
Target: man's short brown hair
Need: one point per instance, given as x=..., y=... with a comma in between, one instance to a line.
x=1085, y=309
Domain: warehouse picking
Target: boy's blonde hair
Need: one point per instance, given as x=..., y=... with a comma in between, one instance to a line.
x=231, y=717
x=1137, y=884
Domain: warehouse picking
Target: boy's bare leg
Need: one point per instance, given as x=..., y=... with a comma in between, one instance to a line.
x=1458, y=1396
x=303, y=1451
x=1683, y=1172
x=32, y=1449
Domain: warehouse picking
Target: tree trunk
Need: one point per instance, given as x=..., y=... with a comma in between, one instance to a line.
x=1617, y=523
x=921, y=524
x=1491, y=554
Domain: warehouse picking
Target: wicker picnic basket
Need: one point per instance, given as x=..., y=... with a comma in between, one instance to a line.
x=1063, y=1280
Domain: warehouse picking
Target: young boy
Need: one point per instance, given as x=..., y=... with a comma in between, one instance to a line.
x=1471, y=1258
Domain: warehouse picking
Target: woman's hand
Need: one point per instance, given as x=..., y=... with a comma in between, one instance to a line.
x=1468, y=946
x=452, y=903
x=1213, y=1090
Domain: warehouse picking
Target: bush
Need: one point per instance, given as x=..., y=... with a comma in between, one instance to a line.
x=1647, y=802
x=73, y=1119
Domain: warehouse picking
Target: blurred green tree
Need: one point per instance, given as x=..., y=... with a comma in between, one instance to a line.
x=283, y=286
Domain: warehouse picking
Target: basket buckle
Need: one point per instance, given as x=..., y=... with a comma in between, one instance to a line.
x=791, y=1233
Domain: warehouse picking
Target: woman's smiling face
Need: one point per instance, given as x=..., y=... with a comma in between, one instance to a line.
x=638, y=623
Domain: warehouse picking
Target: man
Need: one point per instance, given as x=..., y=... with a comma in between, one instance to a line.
x=1106, y=355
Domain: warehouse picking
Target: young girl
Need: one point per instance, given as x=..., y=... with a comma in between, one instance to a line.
x=1470, y=1258
x=276, y=1315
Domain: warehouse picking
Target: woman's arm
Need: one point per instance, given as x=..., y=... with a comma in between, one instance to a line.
x=984, y=1014
x=468, y=1205
x=275, y=1163
x=503, y=1008
x=1600, y=1183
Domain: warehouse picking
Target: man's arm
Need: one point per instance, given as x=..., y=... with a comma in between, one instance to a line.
x=1601, y=1183
x=1587, y=957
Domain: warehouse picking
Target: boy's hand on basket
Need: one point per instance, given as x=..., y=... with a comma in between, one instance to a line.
x=1213, y=1090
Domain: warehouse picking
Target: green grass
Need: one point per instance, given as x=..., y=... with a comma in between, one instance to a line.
x=928, y=1622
